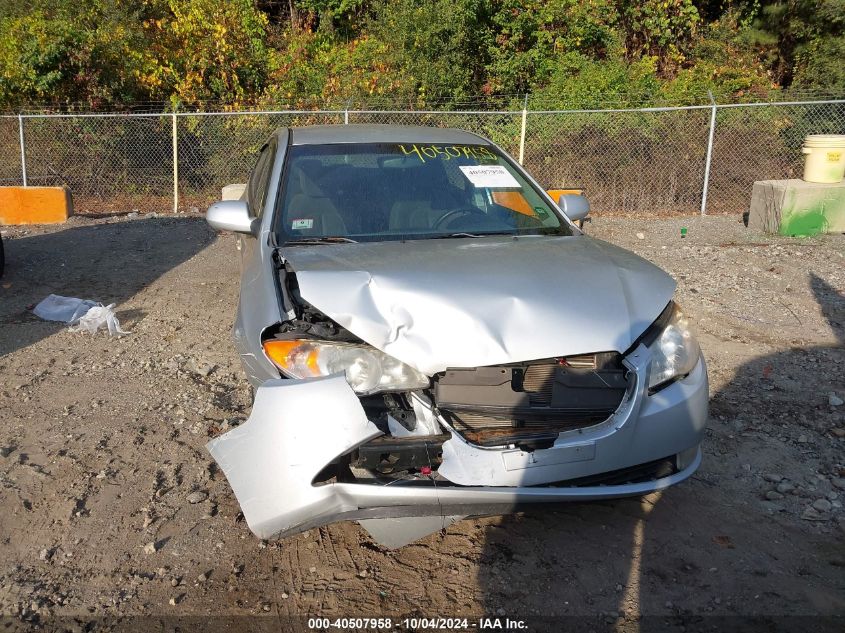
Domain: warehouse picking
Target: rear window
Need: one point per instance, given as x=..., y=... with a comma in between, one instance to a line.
x=372, y=192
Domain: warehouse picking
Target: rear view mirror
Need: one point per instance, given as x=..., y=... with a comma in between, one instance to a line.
x=230, y=215
x=575, y=206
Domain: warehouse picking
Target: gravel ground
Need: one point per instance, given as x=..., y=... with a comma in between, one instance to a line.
x=112, y=507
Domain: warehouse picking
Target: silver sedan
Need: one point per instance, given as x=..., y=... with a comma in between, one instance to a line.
x=431, y=337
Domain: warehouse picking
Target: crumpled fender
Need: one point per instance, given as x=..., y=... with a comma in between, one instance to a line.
x=296, y=428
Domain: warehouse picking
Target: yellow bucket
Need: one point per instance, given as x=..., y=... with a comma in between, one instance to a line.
x=824, y=158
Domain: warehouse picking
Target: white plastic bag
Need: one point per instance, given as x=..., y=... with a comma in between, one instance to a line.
x=64, y=309
x=97, y=317
x=89, y=315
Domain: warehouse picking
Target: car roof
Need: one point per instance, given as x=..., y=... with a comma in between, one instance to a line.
x=325, y=134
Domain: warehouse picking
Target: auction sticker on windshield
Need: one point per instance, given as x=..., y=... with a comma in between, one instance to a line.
x=493, y=176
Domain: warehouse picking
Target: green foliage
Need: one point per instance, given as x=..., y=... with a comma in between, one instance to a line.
x=567, y=53
x=207, y=50
x=58, y=53
x=531, y=35
x=662, y=29
x=793, y=35
x=579, y=82
x=434, y=49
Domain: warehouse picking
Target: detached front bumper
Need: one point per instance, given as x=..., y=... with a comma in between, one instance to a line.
x=298, y=427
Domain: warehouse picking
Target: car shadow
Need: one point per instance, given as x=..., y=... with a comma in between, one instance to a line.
x=711, y=553
x=108, y=263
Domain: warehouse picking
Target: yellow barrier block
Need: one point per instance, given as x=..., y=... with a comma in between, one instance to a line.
x=35, y=205
x=557, y=193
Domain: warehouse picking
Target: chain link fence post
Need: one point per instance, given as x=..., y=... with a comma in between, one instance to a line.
x=707, y=160
x=523, y=130
x=23, y=149
x=175, y=136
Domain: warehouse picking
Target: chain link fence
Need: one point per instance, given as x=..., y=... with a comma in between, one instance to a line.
x=761, y=142
x=10, y=152
x=635, y=161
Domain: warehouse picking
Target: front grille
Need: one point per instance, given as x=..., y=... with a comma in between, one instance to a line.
x=492, y=430
x=531, y=401
x=537, y=382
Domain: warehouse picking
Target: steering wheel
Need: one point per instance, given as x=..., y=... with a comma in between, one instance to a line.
x=454, y=213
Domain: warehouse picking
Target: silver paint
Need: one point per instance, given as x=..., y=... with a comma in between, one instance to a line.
x=474, y=302
x=438, y=304
x=298, y=426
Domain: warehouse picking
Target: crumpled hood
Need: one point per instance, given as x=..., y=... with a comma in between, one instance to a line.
x=473, y=302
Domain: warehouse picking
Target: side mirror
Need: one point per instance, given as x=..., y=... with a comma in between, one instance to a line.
x=575, y=206
x=230, y=215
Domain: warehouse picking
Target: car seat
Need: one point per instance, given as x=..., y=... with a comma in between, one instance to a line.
x=310, y=211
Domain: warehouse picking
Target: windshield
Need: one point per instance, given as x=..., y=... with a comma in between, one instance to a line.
x=375, y=192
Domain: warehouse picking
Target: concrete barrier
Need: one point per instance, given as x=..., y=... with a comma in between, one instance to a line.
x=232, y=192
x=798, y=208
x=35, y=205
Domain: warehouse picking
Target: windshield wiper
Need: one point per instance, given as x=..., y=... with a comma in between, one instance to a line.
x=330, y=239
x=457, y=235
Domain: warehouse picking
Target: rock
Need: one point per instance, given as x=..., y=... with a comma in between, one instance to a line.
x=198, y=496
x=174, y=582
x=774, y=478
x=363, y=573
x=785, y=487
x=640, y=236
x=150, y=548
x=802, y=439
x=838, y=482
x=838, y=432
x=834, y=400
x=45, y=554
x=285, y=596
x=810, y=514
x=773, y=495
x=822, y=505
x=202, y=578
x=5, y=451
x=200, y=367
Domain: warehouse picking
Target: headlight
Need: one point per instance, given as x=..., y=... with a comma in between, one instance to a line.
x=674, y=352
x=367, y=369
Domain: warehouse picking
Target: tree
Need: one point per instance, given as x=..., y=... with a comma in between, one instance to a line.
x=82, y=54
x=206, y=50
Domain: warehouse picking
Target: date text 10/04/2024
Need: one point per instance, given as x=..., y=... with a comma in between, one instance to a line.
x=418, y=624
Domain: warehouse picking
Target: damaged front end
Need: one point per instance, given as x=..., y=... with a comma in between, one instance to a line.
x=367, y=425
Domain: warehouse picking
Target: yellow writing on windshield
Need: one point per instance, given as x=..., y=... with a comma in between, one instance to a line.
x=448, y=152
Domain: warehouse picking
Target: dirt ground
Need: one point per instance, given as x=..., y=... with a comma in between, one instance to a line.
x=102, y=443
